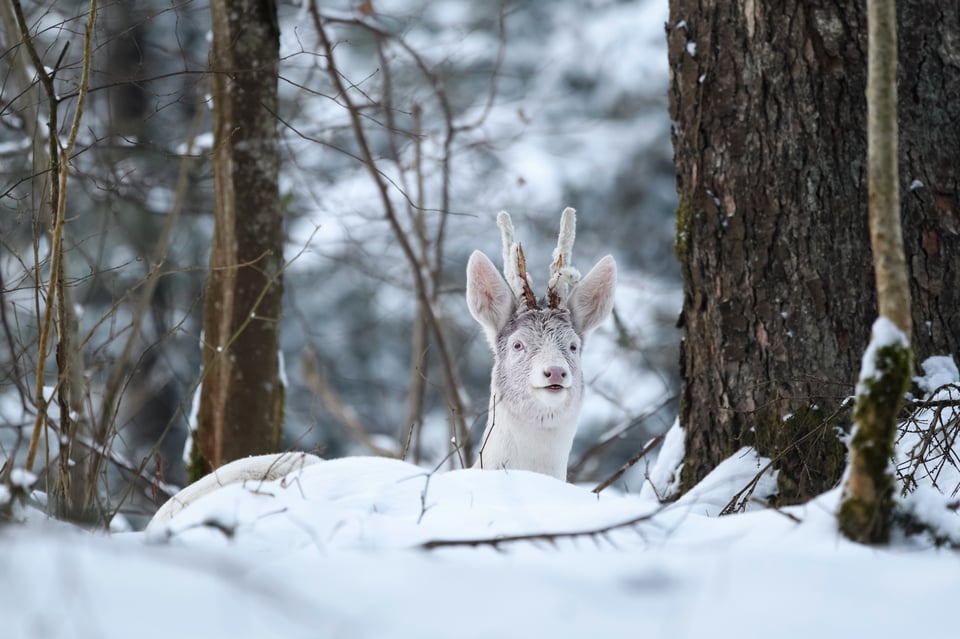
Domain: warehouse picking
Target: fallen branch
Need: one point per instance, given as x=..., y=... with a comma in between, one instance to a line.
x=551, y=537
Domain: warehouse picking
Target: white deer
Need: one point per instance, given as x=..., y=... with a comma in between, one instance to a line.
x=536, y=386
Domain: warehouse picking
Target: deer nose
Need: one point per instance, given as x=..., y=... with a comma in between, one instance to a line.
x=555, y=374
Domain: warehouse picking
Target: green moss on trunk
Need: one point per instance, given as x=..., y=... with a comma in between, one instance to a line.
x=806, y=449
x=683, y=229
x=198, y=466
x=866, y=508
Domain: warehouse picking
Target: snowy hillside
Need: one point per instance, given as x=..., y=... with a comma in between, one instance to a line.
x=369, y=547
x=339, y=552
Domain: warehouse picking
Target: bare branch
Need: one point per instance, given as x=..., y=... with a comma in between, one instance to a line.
x=551, y=537
x=332, y=402
x=453, y=392
x=653, y=443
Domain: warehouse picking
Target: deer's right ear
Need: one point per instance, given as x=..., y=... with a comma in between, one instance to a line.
x=592, y=299
x=489, y=299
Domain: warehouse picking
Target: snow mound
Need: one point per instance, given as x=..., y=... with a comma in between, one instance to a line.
x=343, y=548
x=366, y=503
x=939, y=371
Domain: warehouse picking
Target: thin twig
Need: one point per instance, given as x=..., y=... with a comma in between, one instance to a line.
x=739, y=501
x=333, y=404
x=110, y=404
x=650, y=445
x=56, y=244
x=453, y=391
x=617, y=432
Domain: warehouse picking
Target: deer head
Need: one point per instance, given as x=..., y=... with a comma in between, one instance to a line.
x=536, y=386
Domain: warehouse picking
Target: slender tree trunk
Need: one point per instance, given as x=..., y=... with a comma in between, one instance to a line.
x=242, y=397
x=74, y=488
x=770, y=119
x=866, y=509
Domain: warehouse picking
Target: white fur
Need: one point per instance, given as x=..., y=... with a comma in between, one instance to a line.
x=512, y=442
x=530, y=427
x=257, y=468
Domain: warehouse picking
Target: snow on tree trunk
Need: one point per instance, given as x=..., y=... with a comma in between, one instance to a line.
x=867, y=504
x=242, y=395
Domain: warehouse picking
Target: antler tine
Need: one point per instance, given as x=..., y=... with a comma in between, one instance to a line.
x=568, y=233
x=563, y=277
x=528, y=295
x=514, y=262
x=506, y=234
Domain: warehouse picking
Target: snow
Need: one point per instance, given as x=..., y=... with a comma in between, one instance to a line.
x=926, y=449
x=373, y=547
x=663, y=479
x=60, y=583
x=939, y=371
x=192, y=421
x=201, y=142
x=939, y=511
x=22, y=478
x=15, y=146
x=883, y=333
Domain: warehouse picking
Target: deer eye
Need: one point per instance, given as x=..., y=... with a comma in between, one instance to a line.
x=518, y=345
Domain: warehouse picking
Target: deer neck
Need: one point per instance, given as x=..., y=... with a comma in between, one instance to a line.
x=540, y=443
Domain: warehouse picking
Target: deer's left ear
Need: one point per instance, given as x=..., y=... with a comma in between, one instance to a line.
x=489, y=299
x=592, y=299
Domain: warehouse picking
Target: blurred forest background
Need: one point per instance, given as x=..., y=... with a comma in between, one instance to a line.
x=471, y=107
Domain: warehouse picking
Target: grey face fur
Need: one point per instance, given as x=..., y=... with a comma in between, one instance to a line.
x=536, y=374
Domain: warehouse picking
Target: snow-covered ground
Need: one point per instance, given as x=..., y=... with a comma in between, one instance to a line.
x=372, y=547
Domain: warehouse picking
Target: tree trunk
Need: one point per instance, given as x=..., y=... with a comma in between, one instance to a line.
x=770, y=120
x=929, y=113
x=866, y=509
x=74, y=488
x=242, y=397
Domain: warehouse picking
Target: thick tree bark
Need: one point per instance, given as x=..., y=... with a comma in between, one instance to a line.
x=242, y=397
x=929, y=113
x=770, y=119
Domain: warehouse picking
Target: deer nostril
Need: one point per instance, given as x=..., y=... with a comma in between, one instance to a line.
x=555, y=373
